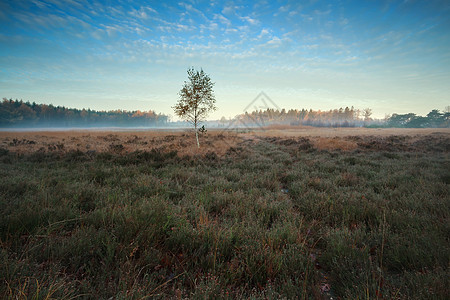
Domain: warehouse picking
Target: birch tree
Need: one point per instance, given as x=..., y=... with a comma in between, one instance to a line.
x=196, y=99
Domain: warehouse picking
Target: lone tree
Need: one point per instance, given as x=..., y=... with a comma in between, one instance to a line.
x=196, y=99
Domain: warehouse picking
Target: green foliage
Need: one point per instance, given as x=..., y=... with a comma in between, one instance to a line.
x=196, y=97
x=433, y=119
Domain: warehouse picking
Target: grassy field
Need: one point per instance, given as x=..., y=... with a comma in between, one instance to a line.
x=318, y=214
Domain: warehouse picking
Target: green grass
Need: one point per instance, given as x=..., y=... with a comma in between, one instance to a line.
x=267, y=221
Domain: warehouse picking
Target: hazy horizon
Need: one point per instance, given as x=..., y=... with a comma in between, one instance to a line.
x=391, y=56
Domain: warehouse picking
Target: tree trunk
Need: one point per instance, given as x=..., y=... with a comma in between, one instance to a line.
x=196, y=136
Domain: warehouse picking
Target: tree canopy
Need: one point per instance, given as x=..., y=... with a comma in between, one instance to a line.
x=196, y=99
x=433, y=119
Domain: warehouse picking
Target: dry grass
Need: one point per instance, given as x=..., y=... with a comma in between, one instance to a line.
x=183, y=141
x=305, y=131
x=287, y=127
x=117, y=141
x=334, y=143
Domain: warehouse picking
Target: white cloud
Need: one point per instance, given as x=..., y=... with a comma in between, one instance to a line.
x=351, y=58
x=115, y=11
x=230, y=30
x=322, y=12
x=139, y=31
x=98, y=34
x=47, y=21
x=311, y=47
x=143, y=12
x=63, y=3
x=40, y=4
x=142, y=15
x=222, y=19
x=326, y=37
x=112, y=30
x=182, y=27
x=244, y=28
x=151, y=9
x=264, y=32
x=307, y=17
x=213, y=26
x=171, y=27
x=343, y=22
x=192, y=9
x=283, y=8
x=228, y=10
x=249, y=20
x=274, y=41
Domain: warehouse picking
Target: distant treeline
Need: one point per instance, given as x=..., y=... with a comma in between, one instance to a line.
x=15, y=113
x=342, y=117
x=435, y=119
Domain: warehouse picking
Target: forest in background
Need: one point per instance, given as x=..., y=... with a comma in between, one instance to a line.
x=16, y=113
x=344, y=117
x=348, y=117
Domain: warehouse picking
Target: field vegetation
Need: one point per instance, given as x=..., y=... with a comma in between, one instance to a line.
x=360, y=215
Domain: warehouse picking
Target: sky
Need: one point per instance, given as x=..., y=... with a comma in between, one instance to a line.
x=390, y=56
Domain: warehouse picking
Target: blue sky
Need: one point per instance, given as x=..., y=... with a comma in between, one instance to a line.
x=391, y=56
